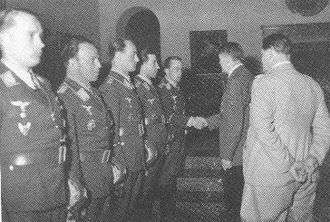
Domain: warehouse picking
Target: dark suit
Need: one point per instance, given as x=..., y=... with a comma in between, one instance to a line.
x=232, y=122
x=154, y=119
x=176, y=120
x=32, y=151
x=121, y=97
x=91, y=132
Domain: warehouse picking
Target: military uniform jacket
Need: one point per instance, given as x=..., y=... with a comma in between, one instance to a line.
x=154, y=117
x=91, y=132
x=233, y=119
x=173, y=105
x=121, y=97
x=31, y=135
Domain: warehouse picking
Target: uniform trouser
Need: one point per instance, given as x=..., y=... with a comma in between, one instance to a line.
x=122, y=206
x=55, y=215
x=95, y=211
x=292, y=202
x=233, y=184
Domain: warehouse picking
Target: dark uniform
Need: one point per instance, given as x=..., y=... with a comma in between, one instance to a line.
x=33, y=152
x=91, y=132
x=154, y=120
x=176, y=120
x=121, y=97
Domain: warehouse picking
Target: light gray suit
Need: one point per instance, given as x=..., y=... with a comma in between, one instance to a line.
x=288, y=121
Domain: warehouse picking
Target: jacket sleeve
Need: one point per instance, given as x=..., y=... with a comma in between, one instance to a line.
x=321, y=129
x=262, y=122
x=112, y=101
x=231, y=120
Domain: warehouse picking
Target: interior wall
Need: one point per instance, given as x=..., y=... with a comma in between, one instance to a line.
x=73, y=16
x=241, y=18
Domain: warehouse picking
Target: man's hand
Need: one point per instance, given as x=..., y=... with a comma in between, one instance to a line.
x=119, y=173
x=311, y=165
x=298, y=171
x=197, y=122
x=226, y=164
x=151, y=152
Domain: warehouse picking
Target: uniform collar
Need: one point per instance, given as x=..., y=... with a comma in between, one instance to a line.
x=147, y=80
x=233, y=69
x=22, y=73
x=171, y=82
x=121, y=74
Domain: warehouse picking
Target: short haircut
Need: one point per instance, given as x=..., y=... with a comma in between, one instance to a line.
x=118, y=45
x=233, y=49
x=144, y=54
x=279, y=42
x=168, y=60
x=71, y=49
x=8, y=16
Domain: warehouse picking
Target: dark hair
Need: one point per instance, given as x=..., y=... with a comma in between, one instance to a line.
x=279, y=42
x=118, y=45
x=7, y=17
x=71, y=49
x=144, y=54
x=233, y=49
x=168, y=60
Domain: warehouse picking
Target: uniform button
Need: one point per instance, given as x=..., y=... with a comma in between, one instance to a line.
x=122, y=143
x=56, y=127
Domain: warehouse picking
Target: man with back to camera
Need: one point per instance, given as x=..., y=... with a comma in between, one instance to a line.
x=32, y=137
x=91, y=126
x=154, y=119
x=130, y=139
x=288, y=138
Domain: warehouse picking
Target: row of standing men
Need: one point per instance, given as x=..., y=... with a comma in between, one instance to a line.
x=83, y=154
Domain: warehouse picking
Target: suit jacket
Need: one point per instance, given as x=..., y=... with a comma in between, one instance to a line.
x=233, y=119
x=122, y=99
x=174, y=107
x=154, y=117
x=31, y=125
x=288, y=121
x=91, y=130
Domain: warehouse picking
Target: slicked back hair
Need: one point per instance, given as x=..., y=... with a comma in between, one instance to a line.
x=168, y=60
x=279, y=42
x=71, y=49
x=118, y=45
x=233, y=49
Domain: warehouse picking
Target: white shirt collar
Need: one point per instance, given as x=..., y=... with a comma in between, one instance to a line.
x=145, y=79
x=22, y=73
x=171, y=81
x=233, y=69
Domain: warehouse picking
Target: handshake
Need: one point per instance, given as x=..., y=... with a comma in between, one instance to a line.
x=197, y=122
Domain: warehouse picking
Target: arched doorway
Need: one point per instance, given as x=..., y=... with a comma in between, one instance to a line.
x=142, y=26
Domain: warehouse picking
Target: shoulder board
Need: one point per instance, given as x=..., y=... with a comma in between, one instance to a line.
x=8, y=79
x=41, y=79
x=62, y=88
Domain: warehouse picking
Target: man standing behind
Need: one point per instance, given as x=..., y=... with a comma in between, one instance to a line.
x=154, y=121
x=288, y=137
x=91, y=127
x=120, y=96
x=232, y=122
x=32, y=139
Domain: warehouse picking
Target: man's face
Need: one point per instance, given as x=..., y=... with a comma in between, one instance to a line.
x=88, y=62
x=175, y=70
x=22, y=42
x=150, y=67
x=129, y=57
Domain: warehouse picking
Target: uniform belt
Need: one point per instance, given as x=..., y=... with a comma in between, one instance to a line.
x=99, y=156
x=49, y=156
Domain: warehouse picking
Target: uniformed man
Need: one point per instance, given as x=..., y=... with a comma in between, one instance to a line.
x=154, y=119
x=176, y=121
x=130, y=144
x=33, y=152
x=91, y=126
